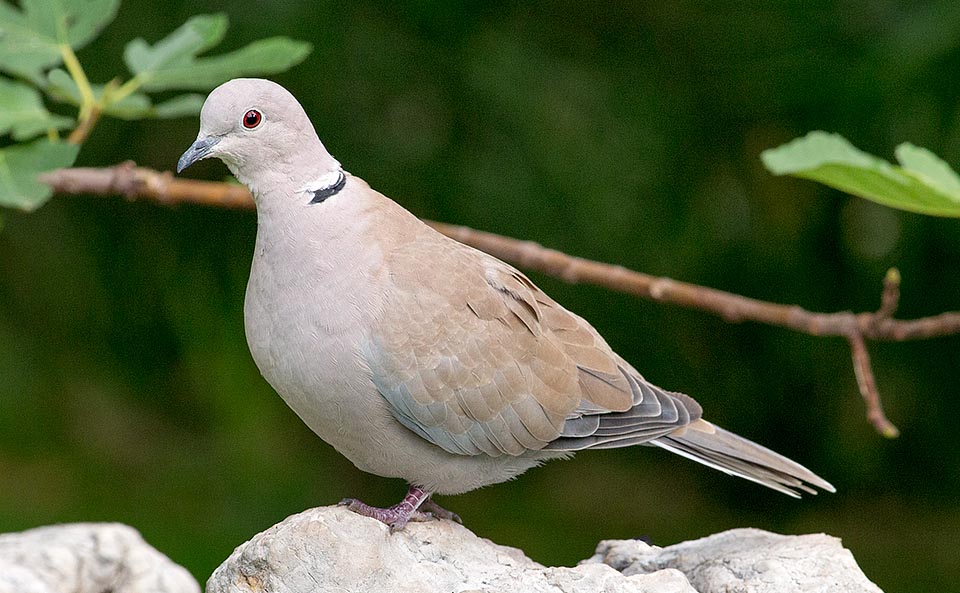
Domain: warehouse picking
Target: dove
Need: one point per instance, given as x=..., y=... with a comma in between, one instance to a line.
x=418, y=357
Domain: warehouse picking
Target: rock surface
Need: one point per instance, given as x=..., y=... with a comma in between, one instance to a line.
x=87, y=558
x=333, y=549
x=746, y=560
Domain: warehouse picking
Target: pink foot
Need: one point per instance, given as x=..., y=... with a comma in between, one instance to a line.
x=397, y=516
x=436, y=511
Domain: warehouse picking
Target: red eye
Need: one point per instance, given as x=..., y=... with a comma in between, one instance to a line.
x=251, y=119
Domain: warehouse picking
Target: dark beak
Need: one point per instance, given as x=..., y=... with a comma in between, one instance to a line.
x=198, y=150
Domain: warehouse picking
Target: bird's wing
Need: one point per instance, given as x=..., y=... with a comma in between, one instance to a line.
x=473, y=357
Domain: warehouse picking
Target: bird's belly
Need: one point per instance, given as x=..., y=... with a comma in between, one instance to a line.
x=317, y=370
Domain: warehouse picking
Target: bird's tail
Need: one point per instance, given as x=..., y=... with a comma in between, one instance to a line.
x=715, y=447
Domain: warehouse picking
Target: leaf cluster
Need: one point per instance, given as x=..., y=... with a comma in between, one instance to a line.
x=39, y=65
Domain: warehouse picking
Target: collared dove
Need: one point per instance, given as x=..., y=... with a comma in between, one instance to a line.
x=418, y=357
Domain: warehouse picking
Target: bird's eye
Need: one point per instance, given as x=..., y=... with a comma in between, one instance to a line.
x=252, y=119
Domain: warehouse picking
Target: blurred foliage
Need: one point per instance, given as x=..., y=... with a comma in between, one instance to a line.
x=43, y=34
x=622, y=131
x=21, y=163
x=924, y=183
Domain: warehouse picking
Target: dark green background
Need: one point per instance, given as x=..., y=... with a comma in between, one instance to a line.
x=622, y=131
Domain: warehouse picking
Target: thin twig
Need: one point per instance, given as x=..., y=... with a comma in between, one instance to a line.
x=890, y=297
x=868, y=386
x=135, y=182
x=81, y=132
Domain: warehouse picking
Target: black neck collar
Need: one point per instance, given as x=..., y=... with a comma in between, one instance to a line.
x=320, y=195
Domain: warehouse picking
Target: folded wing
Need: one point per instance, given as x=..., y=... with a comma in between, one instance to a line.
x=474, y=358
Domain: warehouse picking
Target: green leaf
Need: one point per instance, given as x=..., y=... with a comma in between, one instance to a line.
x=134, y=106
x=22, y=113
x=30, y=38
x=923, y=184
x=197, y=35
x=179, y=106
x=21, y=163
x=929, y=168
x=172, y=63
x=62, y=87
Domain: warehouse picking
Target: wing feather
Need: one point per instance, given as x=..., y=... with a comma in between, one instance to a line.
x=474, y=358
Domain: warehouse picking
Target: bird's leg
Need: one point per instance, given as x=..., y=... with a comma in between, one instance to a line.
x=397, y=516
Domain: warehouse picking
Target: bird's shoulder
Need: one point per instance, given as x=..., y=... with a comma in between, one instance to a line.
x=453, y=283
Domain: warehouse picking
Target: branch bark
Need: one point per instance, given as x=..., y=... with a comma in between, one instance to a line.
x=135, y=182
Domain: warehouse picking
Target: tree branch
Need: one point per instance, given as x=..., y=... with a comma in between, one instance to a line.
x=136, y=182
x=132, y=182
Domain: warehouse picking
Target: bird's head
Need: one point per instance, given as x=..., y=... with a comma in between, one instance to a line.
x=257, y=128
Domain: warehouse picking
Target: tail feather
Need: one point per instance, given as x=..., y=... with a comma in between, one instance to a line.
x=722, y=450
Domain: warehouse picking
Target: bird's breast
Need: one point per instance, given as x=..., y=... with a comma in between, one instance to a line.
x=306, y=317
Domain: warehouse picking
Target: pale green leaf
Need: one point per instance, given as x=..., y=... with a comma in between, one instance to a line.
x=85, y=19
x=31, y=36
x=21, y=163
x=173, y=63
x=63, y=88
x=267, y=56
x=22, y=113
x=925, y=184
x=930, y=168
x=179, y=106
x=133, y=106
x=24, y=51
x=197, y=35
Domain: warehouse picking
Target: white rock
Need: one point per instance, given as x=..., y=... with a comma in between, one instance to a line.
x=87, y=558
x=746, y=561
x=333, y=549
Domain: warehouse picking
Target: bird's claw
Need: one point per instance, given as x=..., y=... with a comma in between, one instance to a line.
x=397, y=516
x=429, y=507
